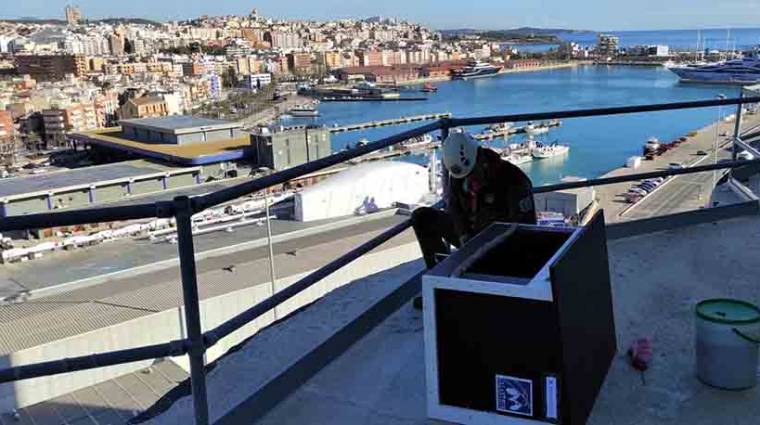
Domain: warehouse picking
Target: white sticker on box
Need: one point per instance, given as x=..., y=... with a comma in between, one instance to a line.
x=550, y=397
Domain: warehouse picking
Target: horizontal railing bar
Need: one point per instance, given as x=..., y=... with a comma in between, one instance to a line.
x=751, y=133
x=640, y=176
x=209, y=200
x=213, y=336
x=131, y=212
x=85, y=216
x=92, y=361
x=579, y=113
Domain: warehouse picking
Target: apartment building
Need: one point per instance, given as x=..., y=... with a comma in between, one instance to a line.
x=51, y=67
x=144, y=107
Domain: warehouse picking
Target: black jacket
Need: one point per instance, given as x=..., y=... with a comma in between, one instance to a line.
x=505, y=194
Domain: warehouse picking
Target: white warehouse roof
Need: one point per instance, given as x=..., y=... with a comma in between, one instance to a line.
x=374, y=185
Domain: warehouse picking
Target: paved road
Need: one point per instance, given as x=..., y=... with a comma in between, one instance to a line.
x=681, y=193
x=272, y=113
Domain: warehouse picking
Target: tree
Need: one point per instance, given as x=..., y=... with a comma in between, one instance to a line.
x=229, y=78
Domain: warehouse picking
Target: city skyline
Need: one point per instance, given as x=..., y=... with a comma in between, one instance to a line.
x=490, y=14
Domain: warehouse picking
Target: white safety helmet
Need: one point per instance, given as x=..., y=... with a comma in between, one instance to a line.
x=460, y=152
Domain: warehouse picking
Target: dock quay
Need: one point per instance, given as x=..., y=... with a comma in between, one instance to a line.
x=680, y=193
x=372, y=99
x=392, y=121
x=490, y=134
x=631, y=63
x=400, y=150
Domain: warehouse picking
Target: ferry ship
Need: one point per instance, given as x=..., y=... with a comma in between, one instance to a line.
x=476, y=69
x=738, y=71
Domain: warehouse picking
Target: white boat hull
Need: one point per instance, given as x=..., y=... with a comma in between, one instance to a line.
x=550, y=152
x=518, y=159
x=303, y=114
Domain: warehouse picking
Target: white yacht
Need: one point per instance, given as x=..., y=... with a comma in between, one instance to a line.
x=476, y=69
x=304, y=111
x=652, y=145
x=501, y=127
x=738, y=71
x=516, y=158
x=535, y=130
x=418, y=142
x=549, y=151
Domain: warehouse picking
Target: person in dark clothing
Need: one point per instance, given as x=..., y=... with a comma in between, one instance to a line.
x=482, y=189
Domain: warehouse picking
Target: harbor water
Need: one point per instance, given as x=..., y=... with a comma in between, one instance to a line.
x=714, y=38
x=597, y=144
x=710, y=39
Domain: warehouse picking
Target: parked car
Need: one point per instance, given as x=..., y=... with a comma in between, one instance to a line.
x=637, y=190
x=701, y=153
x=675, y=166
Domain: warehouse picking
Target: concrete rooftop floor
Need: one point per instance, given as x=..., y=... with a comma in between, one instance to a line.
x=657, y=279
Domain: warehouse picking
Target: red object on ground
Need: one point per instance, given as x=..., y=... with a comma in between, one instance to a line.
x=640, y=354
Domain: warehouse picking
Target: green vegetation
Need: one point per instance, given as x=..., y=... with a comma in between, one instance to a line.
x=240, y=104
x=520, y=37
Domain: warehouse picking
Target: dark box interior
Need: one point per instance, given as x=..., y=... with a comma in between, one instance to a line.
x=522, y=254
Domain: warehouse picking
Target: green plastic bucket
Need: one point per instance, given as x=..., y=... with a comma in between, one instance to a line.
x=727, y=343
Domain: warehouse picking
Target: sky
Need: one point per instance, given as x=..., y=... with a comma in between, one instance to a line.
x=438, y=14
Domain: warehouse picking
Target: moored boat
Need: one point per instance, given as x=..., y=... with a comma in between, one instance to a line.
x=549, y=151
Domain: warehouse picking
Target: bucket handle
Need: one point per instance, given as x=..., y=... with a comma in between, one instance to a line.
x=746, y=337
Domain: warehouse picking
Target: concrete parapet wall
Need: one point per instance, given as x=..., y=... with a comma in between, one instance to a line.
x=169, y=325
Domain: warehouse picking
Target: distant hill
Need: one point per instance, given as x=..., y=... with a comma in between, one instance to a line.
x=35, y=21
x=523, y=35
x=138, y=21
x=551, y=31
x=516, y=31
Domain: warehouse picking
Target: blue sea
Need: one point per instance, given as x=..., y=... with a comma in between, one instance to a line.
x=717, y=38
x=711, y=39
x=598, y=144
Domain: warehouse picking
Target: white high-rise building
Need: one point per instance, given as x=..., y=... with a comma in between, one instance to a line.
x=73, y=14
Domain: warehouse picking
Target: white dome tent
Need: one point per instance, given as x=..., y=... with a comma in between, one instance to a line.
x=363, y=188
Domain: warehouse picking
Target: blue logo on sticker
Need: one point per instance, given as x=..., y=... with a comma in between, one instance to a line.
x=514, y=395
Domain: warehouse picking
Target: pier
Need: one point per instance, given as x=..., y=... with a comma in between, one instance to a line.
x=392, y=121
x=490, y=134
x=399, y=150
x=372, y=99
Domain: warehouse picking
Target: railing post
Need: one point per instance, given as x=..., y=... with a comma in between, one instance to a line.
x=183, y=214
x=444, y=171
x=737, y=128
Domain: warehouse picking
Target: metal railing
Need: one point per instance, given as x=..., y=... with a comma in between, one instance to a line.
x=182, y=208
